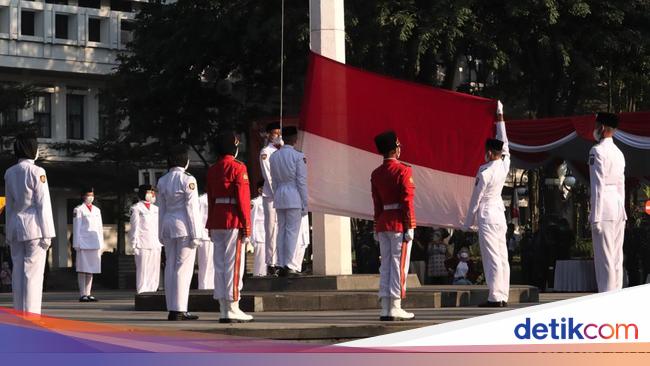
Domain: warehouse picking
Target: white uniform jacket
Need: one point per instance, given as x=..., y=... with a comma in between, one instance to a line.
x=258, y=234
x=607, y=175
x=28, y=209
x=179, y=209
x=486, y=205
x=289, y=178
x=144, y=226
x=265, y=165
x=87, y=228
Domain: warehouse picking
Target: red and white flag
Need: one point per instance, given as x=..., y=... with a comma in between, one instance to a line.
x=442, y=134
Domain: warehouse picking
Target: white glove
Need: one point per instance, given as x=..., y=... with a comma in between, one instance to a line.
x=45, y=243
x=249, y=246
x=375, y=236
x=409, y=235
x=499, y=107
x=195, y=243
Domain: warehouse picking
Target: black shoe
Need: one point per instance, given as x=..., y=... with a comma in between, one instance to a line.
x=84, y=299
x=282, y=272
x=493, y=304
x=272, y=271
x=179, y=315
x=92, y=298
x=386, y=318
x=233, y=321
x=291, y=272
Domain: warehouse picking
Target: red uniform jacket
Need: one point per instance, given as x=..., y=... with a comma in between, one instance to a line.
x=392, y=186
x=227, y=180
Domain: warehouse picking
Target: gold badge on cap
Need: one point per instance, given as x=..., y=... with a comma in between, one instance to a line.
x=43, y=179
x=264, y=156
x=192, y=186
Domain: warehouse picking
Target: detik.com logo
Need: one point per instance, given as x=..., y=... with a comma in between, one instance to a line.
x=569, y=328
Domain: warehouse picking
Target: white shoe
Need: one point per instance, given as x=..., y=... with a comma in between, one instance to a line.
x=385, y=309
x=235, y=315
x=396, y=311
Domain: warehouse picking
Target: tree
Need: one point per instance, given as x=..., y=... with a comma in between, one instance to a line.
x=13, y=97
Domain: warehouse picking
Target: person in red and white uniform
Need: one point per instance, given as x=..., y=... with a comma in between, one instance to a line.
x=393, y=191
x=88, y=241
x=144, y=238
x=229, y=223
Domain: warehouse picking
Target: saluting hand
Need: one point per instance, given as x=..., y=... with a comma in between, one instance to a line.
x=499, y=111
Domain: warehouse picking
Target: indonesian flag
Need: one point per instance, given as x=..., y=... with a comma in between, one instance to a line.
x=442, y=134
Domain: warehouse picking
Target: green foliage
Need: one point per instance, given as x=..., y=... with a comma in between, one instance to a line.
x=583, y=248
x=13, y=97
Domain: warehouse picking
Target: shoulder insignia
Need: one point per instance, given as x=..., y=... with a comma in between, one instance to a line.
x=192, y=186
x=188, y=174
x=43, y=179
x=264, y=156
x=245, y=177
x=592, y=159
x=411, y=180
x=304, y=159
x=239, y=162
x=406, y=165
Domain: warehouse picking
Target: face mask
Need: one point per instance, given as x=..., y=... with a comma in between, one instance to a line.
x=89, y=200
x=153, y=200
x=37, y=153
x=148, y=197
x=187, y=165
x=277, y=141
x=236, y=152
x=464, y=256
x=597, y=136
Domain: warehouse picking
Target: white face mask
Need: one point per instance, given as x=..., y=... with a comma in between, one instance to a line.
x=597, y=135
x=236, y=152
x=153, y=200
x=37, y=154
x=187, y=165
x=148, y=197
x=277, y=141
x=89, y=200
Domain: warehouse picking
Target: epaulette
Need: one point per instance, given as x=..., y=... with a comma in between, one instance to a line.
x=406, y=165
x=239, y=161
x=187, y=173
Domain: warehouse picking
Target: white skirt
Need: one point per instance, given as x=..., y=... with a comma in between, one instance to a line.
x=89, y=260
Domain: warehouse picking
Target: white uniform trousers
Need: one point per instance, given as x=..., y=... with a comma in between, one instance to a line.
x=229, y=261
x=295, y=261
x=289, y=220
x=179, y=268
x=270, y=232
x=147, y=270
x=494, y=254
x=85, y=281
x=259, y=262
x=206, y=265
x=27, y=276
x=394, y=268
x=608, y=239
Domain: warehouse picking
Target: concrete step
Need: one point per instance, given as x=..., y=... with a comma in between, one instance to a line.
x=422, y=297
x=321, y=283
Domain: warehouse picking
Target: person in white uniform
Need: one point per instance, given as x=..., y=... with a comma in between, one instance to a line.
x=486, y=210
x=29, y=226
x=144, y=238
x=607, y=216
x=289, y=183
x=258, y=233
x=274, y=137
x=205, y=251
x=180, y=230
x=88, y=241
x=294, y=263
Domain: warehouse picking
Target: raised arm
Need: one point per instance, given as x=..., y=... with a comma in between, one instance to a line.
x=502, y=135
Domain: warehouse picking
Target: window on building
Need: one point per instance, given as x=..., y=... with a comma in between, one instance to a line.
x=8, y=117
x=61, y=26
x=5, y=16
x=75, y=109
x=121, y=5
x=27, y=23
x=43, y=114
x=96, y=4
x=94, y=30
x=59, y=2
x=126, y=31
x=104, y=118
